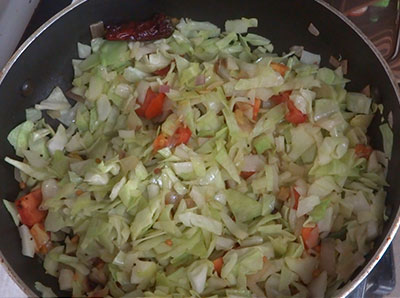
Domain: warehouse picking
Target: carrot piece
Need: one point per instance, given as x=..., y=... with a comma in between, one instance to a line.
x=279, y=67
x=168, y=242
x=256, y=108
x=218, y=263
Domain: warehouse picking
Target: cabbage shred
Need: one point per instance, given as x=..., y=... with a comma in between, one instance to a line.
x=244, y=188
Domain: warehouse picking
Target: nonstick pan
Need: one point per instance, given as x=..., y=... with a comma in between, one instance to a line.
x=44, y=61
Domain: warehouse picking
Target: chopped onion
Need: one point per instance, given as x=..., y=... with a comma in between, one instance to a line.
x=310, y=58
x=251, y=241
x=97, y=29
x=200, y=80
x=49, y=189
x=221, y=69
x=313, y=30
x=164, y=89
x=74, y=96
x=318, y=286
x=66, y=279
x=222, y=243
x=172, y=198
x=327, y=257
x=253, y=163
x=334, y=62
x=297, y=50
x=344, y=64
x=366, y=91
x=141, y=89
x=390, y=119
x=28, y=244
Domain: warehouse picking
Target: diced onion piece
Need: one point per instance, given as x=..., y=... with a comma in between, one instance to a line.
x=298, y=50
x=28, y=244
x=313, y=30
x=66, y=279
x=163, y=89
x=97, y=29
x=310, y=58
x=334, y=62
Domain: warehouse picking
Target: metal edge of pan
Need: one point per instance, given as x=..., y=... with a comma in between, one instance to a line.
x=367, y=268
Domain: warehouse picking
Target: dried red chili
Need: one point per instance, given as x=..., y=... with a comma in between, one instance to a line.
x=159, y=26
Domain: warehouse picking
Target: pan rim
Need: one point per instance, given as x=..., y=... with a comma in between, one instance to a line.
x=367, y=268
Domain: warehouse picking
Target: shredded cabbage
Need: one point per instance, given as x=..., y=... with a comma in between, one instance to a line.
x=139, y=207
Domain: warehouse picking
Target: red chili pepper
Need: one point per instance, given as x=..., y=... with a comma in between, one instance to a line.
x=163, y=71
x=159, y=26
x=294, y=115
x=281, y=97
x=363, y=150
x=152, y=105
x=28, y=208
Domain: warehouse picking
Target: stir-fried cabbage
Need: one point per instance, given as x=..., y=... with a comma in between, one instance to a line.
x=254, y=178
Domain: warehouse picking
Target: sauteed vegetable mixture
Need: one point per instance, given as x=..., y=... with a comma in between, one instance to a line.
x=201, y=164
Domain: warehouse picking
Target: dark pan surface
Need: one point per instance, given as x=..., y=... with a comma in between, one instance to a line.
x=47, y=63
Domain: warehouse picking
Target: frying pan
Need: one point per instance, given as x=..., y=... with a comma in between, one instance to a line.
x=45, y=61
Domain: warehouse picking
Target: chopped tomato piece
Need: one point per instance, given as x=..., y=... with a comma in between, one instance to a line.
x=168, y=242
x=163, y=71
x=363, y=150
x=256, y=108
x=281, y=97
x=152, y=105
x=246, y=175
x=279, y=67
x=160, y=142
x=41, y=237
x=294, y=115
x=28, y=208
x=296, y=199
x=181, y=136
x=218, y=263
x=310, y=237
